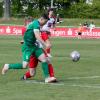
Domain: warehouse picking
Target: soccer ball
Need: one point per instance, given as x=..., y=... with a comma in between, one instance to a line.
x=75, y=56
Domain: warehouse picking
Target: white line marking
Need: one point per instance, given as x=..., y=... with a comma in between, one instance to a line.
x=40, y=82
x=88, y=77
x=97, y=86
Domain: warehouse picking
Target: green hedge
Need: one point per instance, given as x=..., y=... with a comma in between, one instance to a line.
x=81, y=10
x=1, y=9
x=35, y=13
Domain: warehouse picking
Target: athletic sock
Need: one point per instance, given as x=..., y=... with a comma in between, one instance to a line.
x=45, y=69
x=27, y=75
x=51, y=70
x=48, y=50
x=15, y=66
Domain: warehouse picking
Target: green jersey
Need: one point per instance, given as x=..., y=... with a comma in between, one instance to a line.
x=29, y=36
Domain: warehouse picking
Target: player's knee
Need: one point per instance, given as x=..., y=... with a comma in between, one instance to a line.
x=42, y=58
x=24, y=67
x=25, y=64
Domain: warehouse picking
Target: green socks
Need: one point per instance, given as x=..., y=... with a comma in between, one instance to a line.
x=15, y=66
x=19, y=66
x=45, y=69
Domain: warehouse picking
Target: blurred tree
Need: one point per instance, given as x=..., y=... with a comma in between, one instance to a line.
x=1, y=9
x=6, y=9
x=36, y=7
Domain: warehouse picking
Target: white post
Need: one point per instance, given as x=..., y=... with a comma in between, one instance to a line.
x=51, y=3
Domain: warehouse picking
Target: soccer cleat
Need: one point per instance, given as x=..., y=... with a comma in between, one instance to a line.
x=55, y=80
x=23, y=78
x=5, y=69
x=50, y=80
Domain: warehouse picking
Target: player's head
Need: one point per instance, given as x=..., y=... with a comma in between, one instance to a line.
x=43, y=19
x=50, y=12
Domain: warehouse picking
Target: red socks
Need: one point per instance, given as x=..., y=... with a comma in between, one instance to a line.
x=51, y=70
x=27, y=75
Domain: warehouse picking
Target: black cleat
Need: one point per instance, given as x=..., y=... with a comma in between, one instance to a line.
x=23, y=78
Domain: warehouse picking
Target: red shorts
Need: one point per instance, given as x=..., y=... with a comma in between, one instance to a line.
x=45, y=36
x=34, y=61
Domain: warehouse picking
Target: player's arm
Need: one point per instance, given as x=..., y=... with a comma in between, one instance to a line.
x=48, y=42
x=38, y=37
x=54, y=25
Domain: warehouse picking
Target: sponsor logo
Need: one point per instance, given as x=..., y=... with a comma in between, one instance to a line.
x=58, y=32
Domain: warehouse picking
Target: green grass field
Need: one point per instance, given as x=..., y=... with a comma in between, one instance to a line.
x=77, y=80
x=66, y=22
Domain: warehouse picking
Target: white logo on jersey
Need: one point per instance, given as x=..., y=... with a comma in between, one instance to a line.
x=26, y=57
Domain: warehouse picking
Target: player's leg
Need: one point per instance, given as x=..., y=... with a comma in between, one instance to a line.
x=32, y=68
x=51, y=69
x=33, y=65
x=48, y=50
x=14, y=66
x=26, y=53
x=41, y=56
x=30, y=73
x=45, y=37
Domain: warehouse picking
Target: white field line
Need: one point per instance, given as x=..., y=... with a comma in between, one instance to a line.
x=40, y=82
x=95, y=86
x=87, y=77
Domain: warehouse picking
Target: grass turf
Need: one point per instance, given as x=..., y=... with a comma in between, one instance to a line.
x=66, y=22
x=80, y=80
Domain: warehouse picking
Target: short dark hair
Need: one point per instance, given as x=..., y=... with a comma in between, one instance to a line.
x=50, y=9
x=45, y=16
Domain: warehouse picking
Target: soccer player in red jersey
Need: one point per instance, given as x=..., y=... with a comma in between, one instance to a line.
x=50, y=24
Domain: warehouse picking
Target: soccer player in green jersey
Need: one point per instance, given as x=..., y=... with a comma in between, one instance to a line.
x=30, y=46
